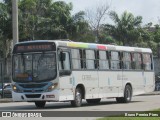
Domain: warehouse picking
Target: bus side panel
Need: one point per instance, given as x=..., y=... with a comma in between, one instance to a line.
x=135, y=78
x=89, y=79
x=149, y=81
x=142, y=82
x=110, y=84
x=66, y=89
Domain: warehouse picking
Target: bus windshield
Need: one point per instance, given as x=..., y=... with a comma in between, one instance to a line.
x=34, y=67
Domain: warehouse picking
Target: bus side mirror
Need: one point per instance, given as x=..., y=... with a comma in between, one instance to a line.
x=62, y=56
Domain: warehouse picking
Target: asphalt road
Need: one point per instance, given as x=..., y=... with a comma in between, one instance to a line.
x=139, y=103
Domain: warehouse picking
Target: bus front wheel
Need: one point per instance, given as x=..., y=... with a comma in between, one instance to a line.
x=127, y=95
x=77, y=102
x=40, y=104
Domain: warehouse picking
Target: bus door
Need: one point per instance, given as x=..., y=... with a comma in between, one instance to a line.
x=64, y=64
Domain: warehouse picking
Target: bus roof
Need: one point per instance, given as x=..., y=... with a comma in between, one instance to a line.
x=102, y=46
x=72, y=44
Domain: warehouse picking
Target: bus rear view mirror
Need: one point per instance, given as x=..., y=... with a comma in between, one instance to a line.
x=62, y=56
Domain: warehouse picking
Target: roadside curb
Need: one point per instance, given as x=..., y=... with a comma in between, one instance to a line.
x=152, y=93
x=5, y=100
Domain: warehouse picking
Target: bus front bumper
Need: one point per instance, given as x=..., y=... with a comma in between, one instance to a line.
x=31, y=97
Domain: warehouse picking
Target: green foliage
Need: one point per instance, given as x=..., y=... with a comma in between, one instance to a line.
x=5, y=30
x=44, y=19
x=126, y=27
x=156, y=34
x=148, y=38
x=49, y=20
x=127, y=30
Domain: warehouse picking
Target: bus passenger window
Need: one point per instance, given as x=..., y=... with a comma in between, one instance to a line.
x=76, y=63
x=147, y=62
x=127, y=60
x=90, y=59
x=137, y=61
x=115, y=60
x=103, y=60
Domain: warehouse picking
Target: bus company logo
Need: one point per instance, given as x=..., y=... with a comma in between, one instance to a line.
x=6, y=114
x=33, y=90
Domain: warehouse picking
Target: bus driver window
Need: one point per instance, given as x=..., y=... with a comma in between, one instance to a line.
x=64, y=63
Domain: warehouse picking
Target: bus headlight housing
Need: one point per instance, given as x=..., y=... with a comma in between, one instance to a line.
x=51, y=87
x=16, y=89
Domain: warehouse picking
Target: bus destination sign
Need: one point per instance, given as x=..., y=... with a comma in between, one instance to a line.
x=34, y=47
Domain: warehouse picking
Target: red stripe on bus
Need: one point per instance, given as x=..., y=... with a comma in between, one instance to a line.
x=101, y=47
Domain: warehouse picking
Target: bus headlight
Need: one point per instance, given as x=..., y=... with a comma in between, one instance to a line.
x=51, y=87
x=16, y=89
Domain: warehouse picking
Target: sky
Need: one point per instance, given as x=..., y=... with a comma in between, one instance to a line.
x=148, y=9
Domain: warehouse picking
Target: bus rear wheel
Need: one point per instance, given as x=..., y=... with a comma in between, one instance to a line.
x=40, y=104
x=127, y=95
x=77, y=102
x=93, y=101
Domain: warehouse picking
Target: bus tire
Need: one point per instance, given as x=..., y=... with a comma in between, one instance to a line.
x=40, y=104
x=77, y=102
x=119, y=99
x=127, y=95
x=93, y=101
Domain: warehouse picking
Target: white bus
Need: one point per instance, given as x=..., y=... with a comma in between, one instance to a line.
x=45, y=71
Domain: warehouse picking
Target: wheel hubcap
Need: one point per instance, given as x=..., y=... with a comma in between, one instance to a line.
x=128, y=94
x=78, y=97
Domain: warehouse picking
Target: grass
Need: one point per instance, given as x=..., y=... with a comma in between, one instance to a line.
x=119, y=117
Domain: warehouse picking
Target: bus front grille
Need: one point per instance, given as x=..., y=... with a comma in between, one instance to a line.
x=33, y=95
x=36, y=91
x=33, y=85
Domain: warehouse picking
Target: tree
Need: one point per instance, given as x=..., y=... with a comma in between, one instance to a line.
x=32, y=15
x=157, y=34
x=126, y=28
x=5, y=34
x=95, y=18
x=78, y=28
x=44, y=19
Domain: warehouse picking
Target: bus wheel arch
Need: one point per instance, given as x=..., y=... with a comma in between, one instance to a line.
x=128, y=92
x=79, y=95
x=81, y=86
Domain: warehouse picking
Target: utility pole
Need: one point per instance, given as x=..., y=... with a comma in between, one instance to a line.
x=15, y=21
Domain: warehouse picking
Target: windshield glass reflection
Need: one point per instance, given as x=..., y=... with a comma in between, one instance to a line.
x=34, y=67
